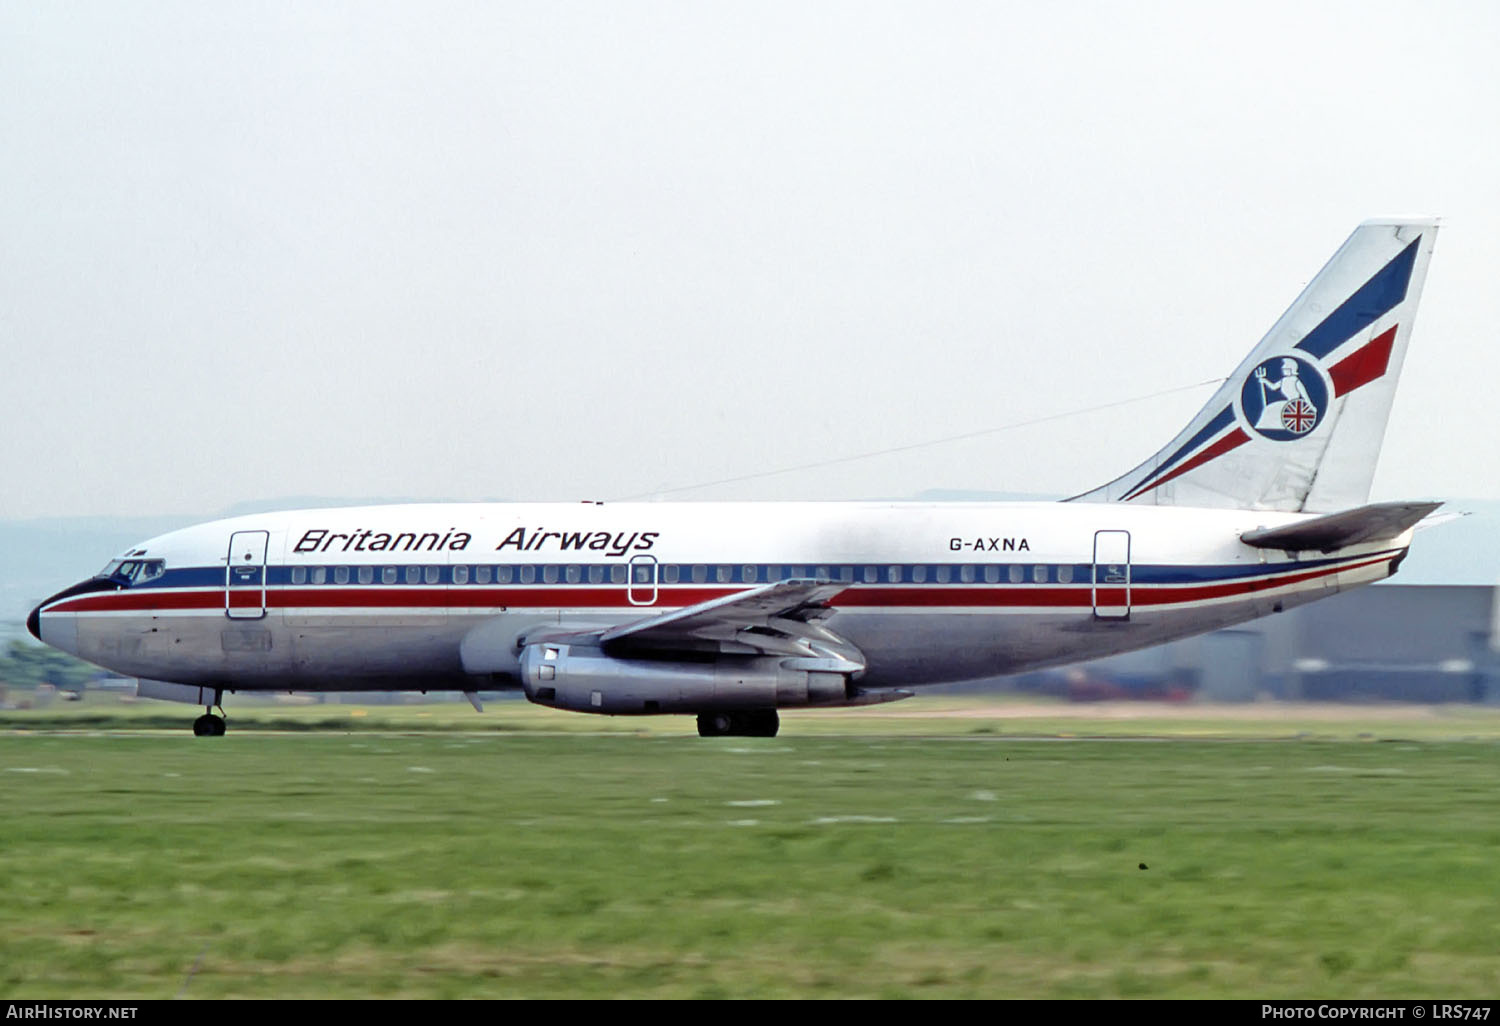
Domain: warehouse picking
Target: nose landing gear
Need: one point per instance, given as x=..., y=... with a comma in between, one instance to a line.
x=209, y=725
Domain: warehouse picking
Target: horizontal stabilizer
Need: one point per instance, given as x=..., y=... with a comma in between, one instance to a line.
x=1381, y=521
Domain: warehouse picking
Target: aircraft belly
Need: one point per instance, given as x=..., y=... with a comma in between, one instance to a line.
x=188, y=649
x=357, y=650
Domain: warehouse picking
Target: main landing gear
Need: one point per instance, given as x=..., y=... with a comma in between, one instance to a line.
x=743, y=723
x=209, y=725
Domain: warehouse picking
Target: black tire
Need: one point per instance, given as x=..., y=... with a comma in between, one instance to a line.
x=219, y=727
x=203, y=726
x=717, y=724
x=762, y=723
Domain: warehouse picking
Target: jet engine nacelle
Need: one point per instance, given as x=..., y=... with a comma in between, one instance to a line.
x=585, y=679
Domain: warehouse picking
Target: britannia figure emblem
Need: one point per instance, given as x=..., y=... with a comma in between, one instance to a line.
x=1284, y=399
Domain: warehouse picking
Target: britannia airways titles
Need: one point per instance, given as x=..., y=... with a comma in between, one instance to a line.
x=523, y=539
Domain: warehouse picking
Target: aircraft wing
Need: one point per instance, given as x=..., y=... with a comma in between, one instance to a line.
x=784, y=600
x=1379, y=521
x=773, y=619
x=779, y=619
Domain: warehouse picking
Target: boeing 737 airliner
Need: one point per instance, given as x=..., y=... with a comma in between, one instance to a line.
x=733, y=611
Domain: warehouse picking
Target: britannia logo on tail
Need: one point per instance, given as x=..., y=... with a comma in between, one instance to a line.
x=1284, y=398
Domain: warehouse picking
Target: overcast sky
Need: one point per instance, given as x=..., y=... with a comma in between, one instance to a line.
x=562, y=251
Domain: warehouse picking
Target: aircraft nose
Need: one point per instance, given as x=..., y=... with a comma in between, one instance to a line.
x=60, y=630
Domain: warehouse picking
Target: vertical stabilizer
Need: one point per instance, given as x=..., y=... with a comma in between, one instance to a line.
x=1298, y=425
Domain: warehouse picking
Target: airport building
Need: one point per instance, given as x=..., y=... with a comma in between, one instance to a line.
x=1391, y=642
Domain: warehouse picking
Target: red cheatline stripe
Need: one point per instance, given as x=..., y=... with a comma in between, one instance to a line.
x=1157, y=597
x=1363, y=365
x=1079, y=595
x=1233, y=440
x=858, y=597
x=161, y=601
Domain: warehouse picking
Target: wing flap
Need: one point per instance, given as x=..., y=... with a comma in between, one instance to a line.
x=1381, y=521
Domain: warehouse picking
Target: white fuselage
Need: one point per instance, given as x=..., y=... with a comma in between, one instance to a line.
x=384, y=597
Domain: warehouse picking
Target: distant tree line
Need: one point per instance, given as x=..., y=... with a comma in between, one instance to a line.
x=24, y=665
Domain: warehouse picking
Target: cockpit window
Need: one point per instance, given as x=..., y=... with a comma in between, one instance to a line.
x=132, y=571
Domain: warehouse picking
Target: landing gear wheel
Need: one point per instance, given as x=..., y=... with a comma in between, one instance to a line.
x=744, y=723
x=209, y=725
x=719, y=724
x=761, y=723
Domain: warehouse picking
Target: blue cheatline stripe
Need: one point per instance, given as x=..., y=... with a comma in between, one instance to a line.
x=1219, y=423
x=1374, y=299
x=761, y=573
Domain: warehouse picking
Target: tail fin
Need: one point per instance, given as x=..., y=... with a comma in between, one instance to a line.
x=1298, y=425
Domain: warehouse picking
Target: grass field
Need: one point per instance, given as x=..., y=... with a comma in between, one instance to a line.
x=923, y=855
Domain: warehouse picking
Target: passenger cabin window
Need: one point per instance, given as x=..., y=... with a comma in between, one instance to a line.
x=596, y=574
x=919, y=574
x=723, y=574
x=944, y=574
x=413, y=575
x=1039, y=574
x=966, y=574
x=549, y=574
x=748, y=574
x=299, y=575
x=671, y=573
x=992, y=574
x=502, y=574
x=893, y=575
x=617, y=574
x=1017, y=575
x=573, y=573
x=481, y=575
x=700, y=574
x=319, y=574
x=366, y=575
x=871, y=575
x=460, y=575
x=341, y=575
x=1065, y=574
x=388, y=575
